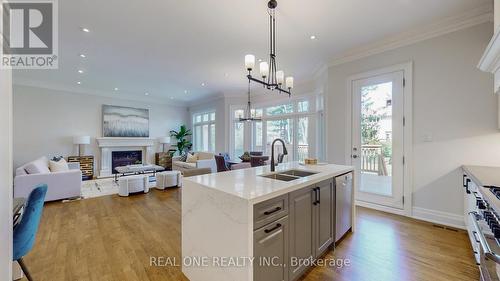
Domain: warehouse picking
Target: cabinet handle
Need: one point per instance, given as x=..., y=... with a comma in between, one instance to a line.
x=273, y=229
x=467, y=186
x=316, y=201
x=267, y=213
x=319, y=195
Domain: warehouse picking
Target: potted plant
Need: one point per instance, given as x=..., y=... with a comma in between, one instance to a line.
x=180, y=136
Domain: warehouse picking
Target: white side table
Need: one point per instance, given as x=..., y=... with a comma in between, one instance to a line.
x=168, y=179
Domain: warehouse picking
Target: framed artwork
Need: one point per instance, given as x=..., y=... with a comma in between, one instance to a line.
x=120, y=121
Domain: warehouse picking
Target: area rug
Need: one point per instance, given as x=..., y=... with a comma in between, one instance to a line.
x=99, y=187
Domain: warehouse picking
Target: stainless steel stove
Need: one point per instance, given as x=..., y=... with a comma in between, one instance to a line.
x=482, y=209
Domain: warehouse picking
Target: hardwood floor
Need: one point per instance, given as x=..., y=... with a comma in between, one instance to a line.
x=111, y=238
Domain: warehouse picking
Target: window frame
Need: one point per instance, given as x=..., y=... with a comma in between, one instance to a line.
x=201, y=124
x=295, y=115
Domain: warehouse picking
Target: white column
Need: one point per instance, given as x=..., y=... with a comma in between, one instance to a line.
x=5, y=173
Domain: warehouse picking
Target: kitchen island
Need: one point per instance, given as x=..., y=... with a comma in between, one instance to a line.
x=252, y=224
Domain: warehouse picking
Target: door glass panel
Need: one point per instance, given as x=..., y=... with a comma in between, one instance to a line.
x=197, y=134
x=257, y=145
x=302, y=138
x=283, y=129
x=212, y=137
x=205, y=137
x=239, y=133
x=376, y=139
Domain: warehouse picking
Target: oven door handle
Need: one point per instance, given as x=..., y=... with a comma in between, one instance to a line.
x=482, y=241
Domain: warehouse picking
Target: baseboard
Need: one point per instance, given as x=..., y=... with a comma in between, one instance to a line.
x=439, y=217
x=382, y=208
x=432, y=216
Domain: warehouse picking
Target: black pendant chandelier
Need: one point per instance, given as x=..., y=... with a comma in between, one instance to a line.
x=272, y=78
x=249, y=117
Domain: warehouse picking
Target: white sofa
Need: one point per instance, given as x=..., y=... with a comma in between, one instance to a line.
x=205, y=160
x=61, y=185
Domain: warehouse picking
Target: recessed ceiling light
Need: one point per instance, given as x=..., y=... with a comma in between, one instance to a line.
x=146, y=94
x=84, y=29
x=260, y=60
x=203, y=84
x=226, y=74
x=83, y=56
x=80, y=71
x=78, y=82
x=186, y=91
x=116, y=89
x=313, y=37
x=171, y=98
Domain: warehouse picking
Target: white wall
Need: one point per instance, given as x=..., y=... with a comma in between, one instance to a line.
x=45, y=121
x=452, y=101
x=5, y=174
x=219, y=106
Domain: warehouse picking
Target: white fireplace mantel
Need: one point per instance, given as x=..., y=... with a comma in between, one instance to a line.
x=108, y=145
x=119, y=142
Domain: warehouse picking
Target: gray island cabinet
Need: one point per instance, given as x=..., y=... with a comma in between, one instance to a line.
x=274, y=223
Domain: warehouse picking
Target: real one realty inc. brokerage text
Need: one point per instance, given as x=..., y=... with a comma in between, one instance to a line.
x=204, y=261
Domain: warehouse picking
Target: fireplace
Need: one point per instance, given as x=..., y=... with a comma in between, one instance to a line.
x=124, y=158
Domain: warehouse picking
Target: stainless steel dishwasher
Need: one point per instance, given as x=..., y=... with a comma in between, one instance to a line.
x=343, y=205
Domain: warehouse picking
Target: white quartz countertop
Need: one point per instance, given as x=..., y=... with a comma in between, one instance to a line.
x=248, y=185
x=483, y=175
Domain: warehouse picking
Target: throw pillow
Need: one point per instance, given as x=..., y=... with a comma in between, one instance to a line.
x=37, y=167
x=183, y=157
x=58, y=166
x=56, y=158
x=192, y=158
x=245, y=157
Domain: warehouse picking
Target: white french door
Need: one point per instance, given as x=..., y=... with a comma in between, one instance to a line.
x=377, y=147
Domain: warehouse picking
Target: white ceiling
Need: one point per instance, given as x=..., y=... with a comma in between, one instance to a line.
x=165, y=47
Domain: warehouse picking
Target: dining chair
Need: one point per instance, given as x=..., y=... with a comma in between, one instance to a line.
x=25, y=231
x=221, y=163
x=256, y=161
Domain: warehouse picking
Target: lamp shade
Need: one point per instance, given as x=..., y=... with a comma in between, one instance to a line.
x=249, y=62
x=164, y=140
x=264, y=69
x=81, y=140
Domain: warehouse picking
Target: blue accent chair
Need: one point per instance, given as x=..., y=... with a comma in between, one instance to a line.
x=25, y=232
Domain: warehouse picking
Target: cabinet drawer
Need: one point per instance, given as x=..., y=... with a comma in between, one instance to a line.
x=271, y=251
x=269, y=211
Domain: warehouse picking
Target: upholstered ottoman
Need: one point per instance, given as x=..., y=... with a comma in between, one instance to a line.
x=131, y=184
x=168, y=179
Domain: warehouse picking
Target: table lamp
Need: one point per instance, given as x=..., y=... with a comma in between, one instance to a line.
x=81, y=140
x=163, y=141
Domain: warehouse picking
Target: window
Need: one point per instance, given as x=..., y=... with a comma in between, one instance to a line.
x=290, y=121
x=280, y=109
x=204, y=131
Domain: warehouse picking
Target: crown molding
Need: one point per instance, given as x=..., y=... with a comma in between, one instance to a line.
x=479, y=15
x=77, y=90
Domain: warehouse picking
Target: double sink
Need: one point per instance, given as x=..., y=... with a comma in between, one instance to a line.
x=289, y=175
